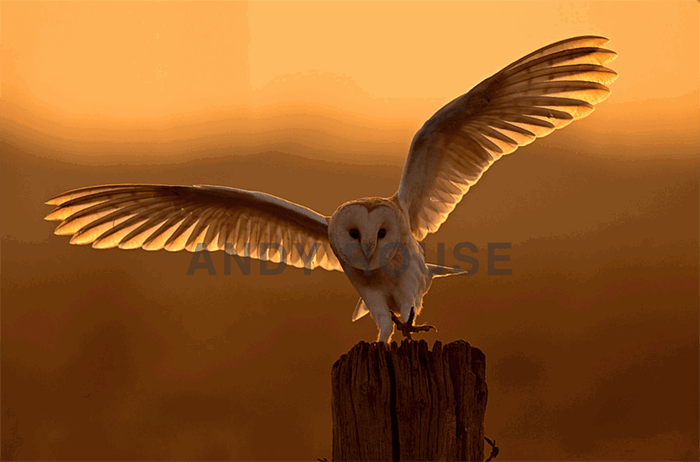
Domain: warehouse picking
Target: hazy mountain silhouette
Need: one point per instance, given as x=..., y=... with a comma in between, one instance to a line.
x=595, y=332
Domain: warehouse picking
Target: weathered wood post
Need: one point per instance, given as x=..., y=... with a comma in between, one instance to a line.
x=409, y=403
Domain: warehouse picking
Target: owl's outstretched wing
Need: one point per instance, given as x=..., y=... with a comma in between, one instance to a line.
x=543, y=91
x=174, y=218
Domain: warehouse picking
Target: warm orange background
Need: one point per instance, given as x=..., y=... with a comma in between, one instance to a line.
x=591, y=345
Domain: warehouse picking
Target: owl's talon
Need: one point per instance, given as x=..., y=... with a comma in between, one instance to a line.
x=407, y=328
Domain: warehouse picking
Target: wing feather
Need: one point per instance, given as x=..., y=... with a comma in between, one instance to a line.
x=175, y=218
x=543, y=91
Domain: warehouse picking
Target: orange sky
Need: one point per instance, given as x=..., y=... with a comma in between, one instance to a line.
x=159, y=64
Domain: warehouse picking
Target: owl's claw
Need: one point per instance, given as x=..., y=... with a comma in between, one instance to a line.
x=408, y=327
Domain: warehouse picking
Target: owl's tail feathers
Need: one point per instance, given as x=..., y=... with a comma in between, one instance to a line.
x=436, y=271
x=443, y=271
x=360, y=310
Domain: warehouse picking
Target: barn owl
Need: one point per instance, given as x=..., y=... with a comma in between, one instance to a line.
x=374, y=241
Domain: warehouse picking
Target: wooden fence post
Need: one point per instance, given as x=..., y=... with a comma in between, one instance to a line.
x=409, y=403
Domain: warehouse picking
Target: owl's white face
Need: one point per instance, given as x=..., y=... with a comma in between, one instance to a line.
x=360, y=233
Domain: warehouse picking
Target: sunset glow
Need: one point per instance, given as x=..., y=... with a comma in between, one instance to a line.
x=179, y=70
x=591, y=341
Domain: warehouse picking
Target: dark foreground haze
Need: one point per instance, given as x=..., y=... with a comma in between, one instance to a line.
x=591, y=344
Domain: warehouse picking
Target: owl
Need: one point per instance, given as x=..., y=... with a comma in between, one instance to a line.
x=374, y=241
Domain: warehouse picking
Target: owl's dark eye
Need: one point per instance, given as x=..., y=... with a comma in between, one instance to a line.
x=381, y=233
x=354, y=233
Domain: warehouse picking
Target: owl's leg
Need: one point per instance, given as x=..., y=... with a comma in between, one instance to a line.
x=376, y=304
x=408, y=327
x=386, y=327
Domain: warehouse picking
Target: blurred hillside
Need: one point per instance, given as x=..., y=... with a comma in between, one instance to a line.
x=602, y=301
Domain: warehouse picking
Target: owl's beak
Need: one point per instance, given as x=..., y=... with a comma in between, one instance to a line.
x=368, y=249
